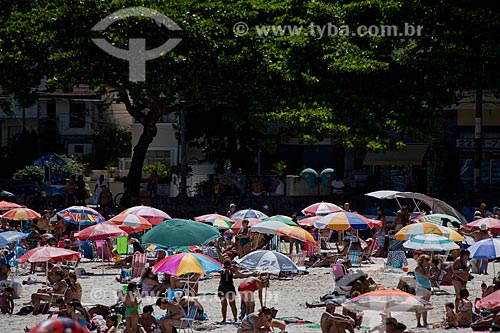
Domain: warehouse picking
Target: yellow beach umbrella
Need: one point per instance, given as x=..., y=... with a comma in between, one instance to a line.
x=416, y=229
x=296, y=233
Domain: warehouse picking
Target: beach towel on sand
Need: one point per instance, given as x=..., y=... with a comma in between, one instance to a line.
x=295, y=320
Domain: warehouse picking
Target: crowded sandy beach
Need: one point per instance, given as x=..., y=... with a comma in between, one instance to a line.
x=324, y=270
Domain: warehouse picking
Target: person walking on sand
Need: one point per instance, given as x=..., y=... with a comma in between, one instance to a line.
x=423, y=288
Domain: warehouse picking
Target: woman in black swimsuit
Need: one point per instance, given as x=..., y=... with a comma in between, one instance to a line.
x=227, y=291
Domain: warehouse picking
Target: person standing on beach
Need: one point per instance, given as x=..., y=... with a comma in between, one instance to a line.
x=423, y=288
x=461, y=274
x=131, y=303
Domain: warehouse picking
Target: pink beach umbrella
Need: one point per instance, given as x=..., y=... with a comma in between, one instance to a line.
x=153, y=215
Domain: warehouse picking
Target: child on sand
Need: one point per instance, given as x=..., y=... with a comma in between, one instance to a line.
x=7, y=301
x=451, y=318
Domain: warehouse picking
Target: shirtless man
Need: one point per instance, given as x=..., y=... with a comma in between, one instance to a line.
x=332, y=322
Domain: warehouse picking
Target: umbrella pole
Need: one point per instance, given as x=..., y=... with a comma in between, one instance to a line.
x=47, y=274
x=102, y=257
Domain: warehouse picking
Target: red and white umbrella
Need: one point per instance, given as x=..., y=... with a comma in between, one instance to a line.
x=6, y=205
x=21, y=214
x=153, y=215
x=49, y=254
x=491, y=224
x=130, y=222
x=321, y=208
x=238, y=225
x=309, y=221
x=101, y=231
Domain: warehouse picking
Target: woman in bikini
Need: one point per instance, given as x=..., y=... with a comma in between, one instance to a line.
x=259, y=322
x=461, y=274
x=131, y=304
x=247, y=289
x=58, y=288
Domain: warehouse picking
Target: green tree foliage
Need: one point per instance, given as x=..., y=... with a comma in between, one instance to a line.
x=364, y=91
x=110, y=144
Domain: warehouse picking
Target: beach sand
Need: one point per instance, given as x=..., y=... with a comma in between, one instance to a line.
x=287, y=296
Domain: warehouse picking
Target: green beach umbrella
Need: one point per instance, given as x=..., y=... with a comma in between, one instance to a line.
x=280, y=218
x=178, y=232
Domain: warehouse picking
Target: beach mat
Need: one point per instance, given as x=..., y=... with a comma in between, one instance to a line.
x=295, y=320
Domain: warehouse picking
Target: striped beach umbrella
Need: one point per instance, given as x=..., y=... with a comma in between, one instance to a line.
x=439, y=219
x=343, y=221
x=297, y=233
x=492, y=224
x=130, y=222
x=21, y=214
x=280, y=218
x=81, y=215
x=6, y=205
x=184, y=263
x=321, y=208
x=248, y=213
x=430, y=242
x=153, y=215
x=416, y=229
x=391, y=300
x=217, y=220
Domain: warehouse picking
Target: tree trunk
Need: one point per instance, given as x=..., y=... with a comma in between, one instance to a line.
x=478, y=139
x=183, y=184
x=140, y=150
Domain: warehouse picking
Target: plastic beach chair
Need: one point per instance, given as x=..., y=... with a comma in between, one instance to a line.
x=138, y=264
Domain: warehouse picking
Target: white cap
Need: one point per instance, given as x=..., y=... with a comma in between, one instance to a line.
x=232, y=205
x=483, y=226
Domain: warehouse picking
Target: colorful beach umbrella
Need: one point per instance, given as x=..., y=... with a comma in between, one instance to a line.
x=491, y=301
x=297, y=233
x=491, y=223
x=49, y=254
x=245, y=214
x=439, y=219
x=21, y=214
x=49, y=161
x=81, y=215
x=343, y=221
x=217, y=220
x=416, y=229
x=153, y=215
x=391, y=300
x=8, y=237
x=321, y=208
x=251, y=222
x=101, y=231
x=280, y=218
x=184, y=263
x=213, y=217
x=58, y=325
x=268, y=227
x=484, y=249
x=178, y=232
x=6, y=205
x=430, y=242
x=309, y=221
x=268, y=262
x=130, y=222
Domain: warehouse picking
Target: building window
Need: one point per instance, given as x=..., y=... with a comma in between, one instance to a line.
x=79, y=149
x=76, y=115
x=163, y=156
x=51, y=110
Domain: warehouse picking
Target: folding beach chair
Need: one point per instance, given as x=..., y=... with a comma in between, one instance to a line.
x=338, y=271
x=368, y=252
x=354, y=257
x=187, y=321
x=138, y=264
